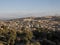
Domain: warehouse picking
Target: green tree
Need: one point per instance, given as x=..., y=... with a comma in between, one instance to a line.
x=12, y=37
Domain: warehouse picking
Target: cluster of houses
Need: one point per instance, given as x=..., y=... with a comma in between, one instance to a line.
x=32, y=23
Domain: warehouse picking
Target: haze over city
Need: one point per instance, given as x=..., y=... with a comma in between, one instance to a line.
x=26, y=8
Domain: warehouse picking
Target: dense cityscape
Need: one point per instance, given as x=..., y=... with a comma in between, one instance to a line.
x=30, y=31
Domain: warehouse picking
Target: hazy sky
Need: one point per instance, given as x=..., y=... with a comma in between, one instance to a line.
x=23, y=8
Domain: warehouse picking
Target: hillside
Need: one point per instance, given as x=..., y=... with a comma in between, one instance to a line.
x=30, y=31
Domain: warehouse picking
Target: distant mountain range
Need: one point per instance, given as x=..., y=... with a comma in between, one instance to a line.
x=56, y=18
